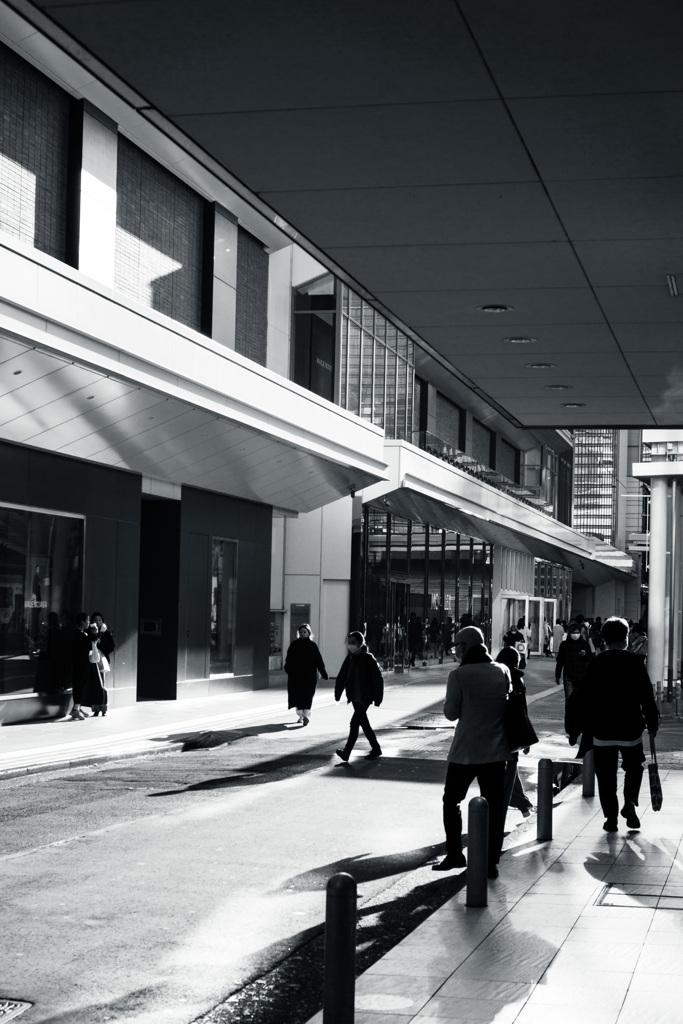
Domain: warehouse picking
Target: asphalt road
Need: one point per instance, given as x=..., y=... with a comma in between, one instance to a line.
x=152, y=890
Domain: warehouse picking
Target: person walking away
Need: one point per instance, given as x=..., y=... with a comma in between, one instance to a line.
x=572, y=659
x=547, y=638
x=361, y=677
x=476, y=693
x=414, y=637
x=558, y=635
x=104, y=639
x=596, y=634
x=513, y=792
x=614, y=704
x=303, y=661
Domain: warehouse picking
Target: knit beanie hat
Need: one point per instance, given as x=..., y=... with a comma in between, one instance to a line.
x=469, y=636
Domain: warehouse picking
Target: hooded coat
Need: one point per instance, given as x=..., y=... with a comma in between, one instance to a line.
x=361, y=677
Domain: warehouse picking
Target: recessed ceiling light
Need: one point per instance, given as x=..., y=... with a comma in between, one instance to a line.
x=541, y=366
x=520, y=341
x=90, y=398
x=16, y=373
x=574, y=405
x=558, y=387
x=495, y=308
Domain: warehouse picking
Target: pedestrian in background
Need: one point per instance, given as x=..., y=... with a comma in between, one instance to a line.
x=303, y=661
x=558, y=635
x=415, y=640
x=515, y=638
x=84, y=656
x=476, y=693
x=513, y=792
x=614, y=704
x=572, y=659
x=104, y=639
x=361, y=677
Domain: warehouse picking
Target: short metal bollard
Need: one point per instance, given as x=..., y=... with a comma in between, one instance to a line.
x=544, y=818
x=340, y=950
x=588, y=774
x=477, y=852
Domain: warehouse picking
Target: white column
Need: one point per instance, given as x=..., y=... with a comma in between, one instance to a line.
x=657, y=620
x=97, y=228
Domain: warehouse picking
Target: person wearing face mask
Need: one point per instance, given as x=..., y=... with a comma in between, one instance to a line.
x=302, y=664
x=572, y=659
x=361, y=677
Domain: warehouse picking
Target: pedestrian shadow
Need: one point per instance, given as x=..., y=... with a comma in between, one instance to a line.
x=289, y=764
x=362, y=867
x=407, y=769
x=624, y=884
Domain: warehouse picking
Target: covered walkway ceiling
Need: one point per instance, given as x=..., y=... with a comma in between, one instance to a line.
x=449, y=157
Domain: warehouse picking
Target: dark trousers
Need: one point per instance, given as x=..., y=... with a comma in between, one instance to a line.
x=359, y=720
x=459, y=777
x=606, y=761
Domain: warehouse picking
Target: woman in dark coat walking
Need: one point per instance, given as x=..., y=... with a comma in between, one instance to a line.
x=361, y=677
x=302, y=664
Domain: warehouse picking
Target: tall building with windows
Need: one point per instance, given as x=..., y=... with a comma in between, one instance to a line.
x=210, y=435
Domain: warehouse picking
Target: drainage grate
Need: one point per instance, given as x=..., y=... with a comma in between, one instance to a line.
x=621, y=894
x=10, y=1008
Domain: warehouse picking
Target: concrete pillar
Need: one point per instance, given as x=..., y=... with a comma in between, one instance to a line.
x=657, y=621
x=97, y=200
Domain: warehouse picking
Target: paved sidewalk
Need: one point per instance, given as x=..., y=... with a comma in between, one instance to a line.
x=586, y=926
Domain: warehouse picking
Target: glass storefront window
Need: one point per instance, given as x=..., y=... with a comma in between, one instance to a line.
x=223, y=591
x=41, y=590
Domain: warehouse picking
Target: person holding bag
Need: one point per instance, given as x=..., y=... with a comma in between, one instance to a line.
x=614, y=704
x=105, y=645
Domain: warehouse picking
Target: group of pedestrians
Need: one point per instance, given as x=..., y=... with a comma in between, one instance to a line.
x=360, y=677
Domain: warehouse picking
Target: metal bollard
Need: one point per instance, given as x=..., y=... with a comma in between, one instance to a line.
x=678, y=698
x=658, y=689
x=588, y=774
x=544, y=819
x=477, y=852
x=340, y=950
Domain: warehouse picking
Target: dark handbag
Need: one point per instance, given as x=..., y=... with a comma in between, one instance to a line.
x=519, y=731
x=656, y=795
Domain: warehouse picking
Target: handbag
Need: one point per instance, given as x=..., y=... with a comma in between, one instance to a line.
x=656, y=795
x=104, y=664
x=519, y=731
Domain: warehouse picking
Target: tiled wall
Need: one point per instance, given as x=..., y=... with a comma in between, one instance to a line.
x=34, y=153
x=251, y=323
x=159, y=231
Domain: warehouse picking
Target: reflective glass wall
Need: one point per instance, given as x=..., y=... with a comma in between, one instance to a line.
x=421, y=584
x=41, y=588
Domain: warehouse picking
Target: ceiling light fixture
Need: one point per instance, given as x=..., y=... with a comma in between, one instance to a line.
x=574, y=405
x=495, y=308
x=520, y=341
x=16, y=373
x=541, y=366
x=558, y=387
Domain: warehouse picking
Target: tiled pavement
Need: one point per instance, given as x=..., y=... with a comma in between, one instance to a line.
x=587, y=926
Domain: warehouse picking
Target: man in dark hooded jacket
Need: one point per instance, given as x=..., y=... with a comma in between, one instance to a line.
x=361, y=677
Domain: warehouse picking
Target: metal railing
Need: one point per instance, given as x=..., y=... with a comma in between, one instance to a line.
x=434, y=445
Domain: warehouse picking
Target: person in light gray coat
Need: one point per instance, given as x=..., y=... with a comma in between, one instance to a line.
x=476, y=694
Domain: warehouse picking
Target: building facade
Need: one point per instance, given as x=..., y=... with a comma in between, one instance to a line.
x=209, y=437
